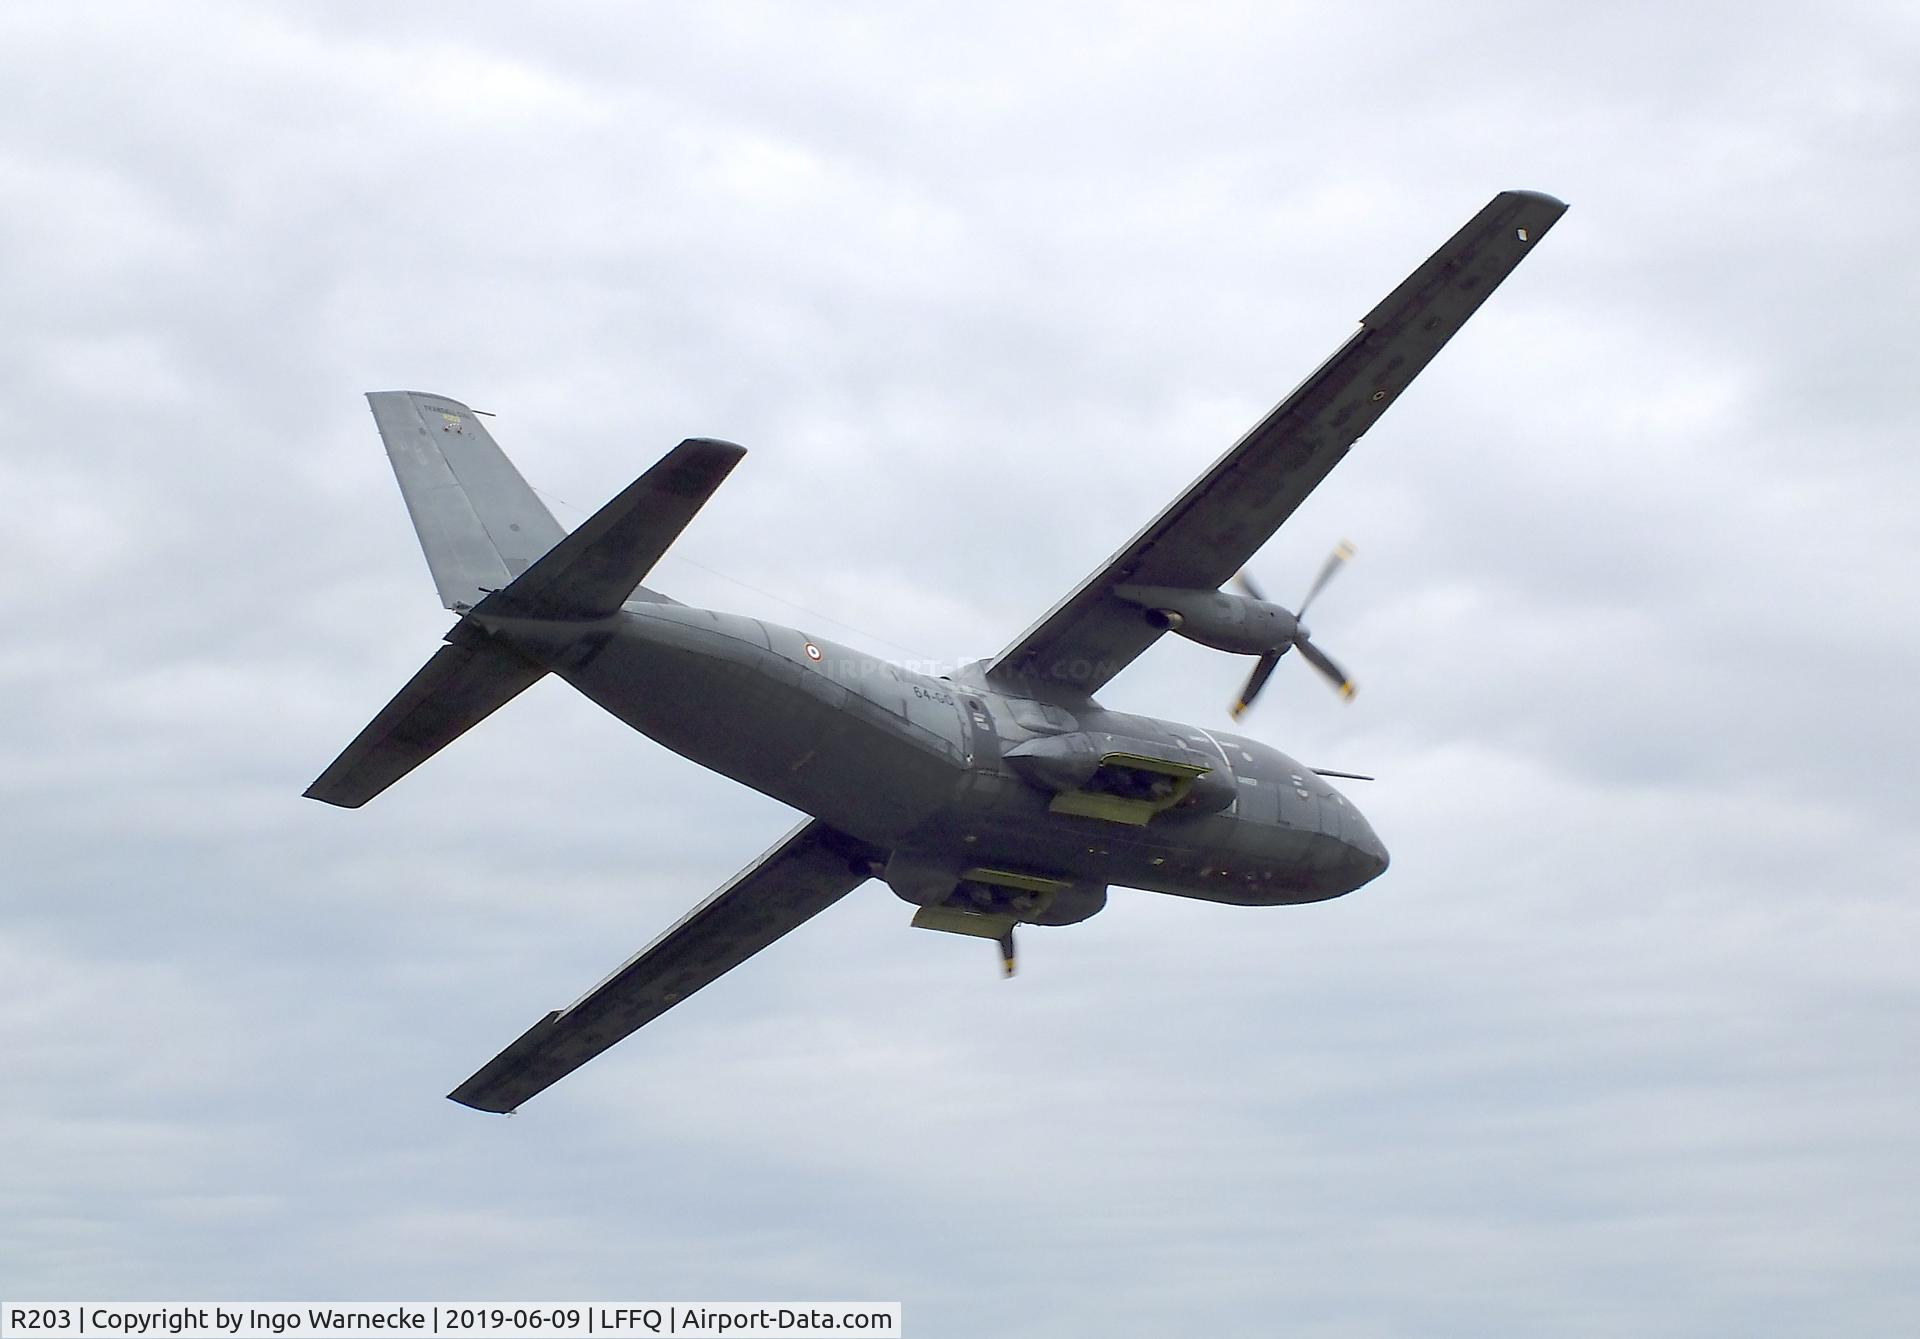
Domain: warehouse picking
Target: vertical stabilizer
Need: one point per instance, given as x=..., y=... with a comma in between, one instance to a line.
x=480, y=525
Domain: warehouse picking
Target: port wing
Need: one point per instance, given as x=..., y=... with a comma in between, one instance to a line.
x=814, y=867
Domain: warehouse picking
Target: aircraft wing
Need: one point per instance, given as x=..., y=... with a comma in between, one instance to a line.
x=814, y=867
x=1212, y=529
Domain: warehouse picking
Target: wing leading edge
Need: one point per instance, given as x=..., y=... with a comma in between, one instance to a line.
x=1210, y=531
x=811, y=869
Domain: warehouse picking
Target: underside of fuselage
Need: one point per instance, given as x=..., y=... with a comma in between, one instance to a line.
x=930, y=768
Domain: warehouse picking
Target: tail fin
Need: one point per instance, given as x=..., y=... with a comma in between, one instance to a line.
x=479, y=524
x=496, y=551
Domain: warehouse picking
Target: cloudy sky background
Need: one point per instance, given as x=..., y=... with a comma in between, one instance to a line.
x=1624, y=1041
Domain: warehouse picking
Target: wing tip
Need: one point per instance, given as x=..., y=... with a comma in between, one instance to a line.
x=504, y=1082
x=474, y=1102
x=338, y=798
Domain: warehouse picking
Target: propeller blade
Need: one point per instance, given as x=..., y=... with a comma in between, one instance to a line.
x=1335, y=560
x=1335, y=675
x=1261, y=673
x=1245, y=583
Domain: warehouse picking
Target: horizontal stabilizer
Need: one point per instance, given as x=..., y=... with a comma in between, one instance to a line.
x=453, y=692
x=814, y=867
x=594, y=570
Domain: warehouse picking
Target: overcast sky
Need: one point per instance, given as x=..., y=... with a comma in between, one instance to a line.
x=1624, y=1043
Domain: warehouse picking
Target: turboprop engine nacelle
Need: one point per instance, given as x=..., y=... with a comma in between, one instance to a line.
x=1011, y=895
x=1214, y=618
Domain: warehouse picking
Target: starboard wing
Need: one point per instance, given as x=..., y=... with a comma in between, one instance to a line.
x=1213, y=528
x=814, y=867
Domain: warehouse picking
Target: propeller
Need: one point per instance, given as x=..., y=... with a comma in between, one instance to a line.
x=1300, y=640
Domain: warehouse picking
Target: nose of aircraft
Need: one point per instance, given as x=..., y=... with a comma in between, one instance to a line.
x=1373, y=856
x=1366, y=853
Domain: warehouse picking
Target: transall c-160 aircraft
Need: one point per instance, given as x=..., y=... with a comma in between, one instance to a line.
x=999, y=796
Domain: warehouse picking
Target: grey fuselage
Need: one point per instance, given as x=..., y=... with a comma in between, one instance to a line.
x=917, y=764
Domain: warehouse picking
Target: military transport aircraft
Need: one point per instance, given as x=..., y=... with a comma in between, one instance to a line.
x=1000, y=795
